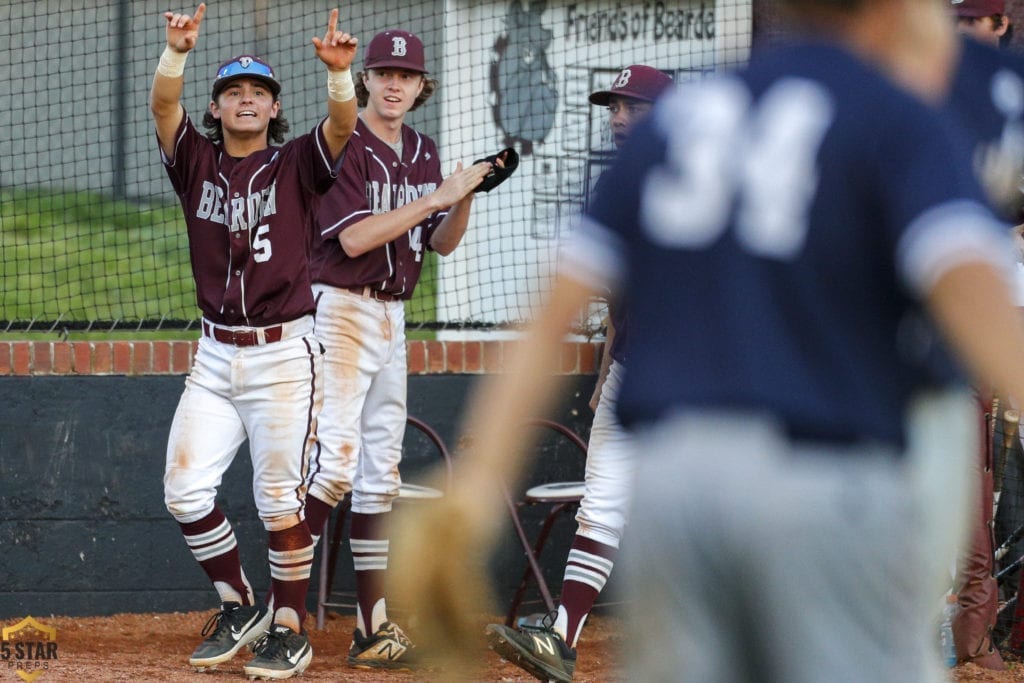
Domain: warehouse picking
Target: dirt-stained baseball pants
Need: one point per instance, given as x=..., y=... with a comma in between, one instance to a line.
x=269, y=394
x=363, y=421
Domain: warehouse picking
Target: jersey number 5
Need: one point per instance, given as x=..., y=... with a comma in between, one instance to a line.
x=261, y=245
x=725, y=154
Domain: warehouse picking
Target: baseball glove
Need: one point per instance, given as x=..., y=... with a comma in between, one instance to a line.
x=498, y=173
x=438, y=573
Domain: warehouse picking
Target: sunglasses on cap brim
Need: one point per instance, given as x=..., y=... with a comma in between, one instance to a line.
x=237, y=69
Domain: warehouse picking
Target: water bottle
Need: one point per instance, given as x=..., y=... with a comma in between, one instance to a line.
x=947, y=647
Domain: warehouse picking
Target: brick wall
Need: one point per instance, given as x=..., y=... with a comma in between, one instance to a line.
x=58, y=358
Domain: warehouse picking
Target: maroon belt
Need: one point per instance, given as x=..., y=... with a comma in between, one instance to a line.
x=370, y=293
x=243, y=337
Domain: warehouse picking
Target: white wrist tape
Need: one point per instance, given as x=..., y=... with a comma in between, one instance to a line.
x=339, y=85
x=172, y=63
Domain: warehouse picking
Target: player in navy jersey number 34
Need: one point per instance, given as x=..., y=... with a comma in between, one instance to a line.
x=790, y=242
x=249, y=208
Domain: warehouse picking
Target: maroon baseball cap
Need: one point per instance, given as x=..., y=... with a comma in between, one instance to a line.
x=396, y=49
x=978, y=8
x=245, y=66
x=637, y=81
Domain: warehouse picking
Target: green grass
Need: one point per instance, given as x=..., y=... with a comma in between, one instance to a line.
x=423, y=305
x=76, y=258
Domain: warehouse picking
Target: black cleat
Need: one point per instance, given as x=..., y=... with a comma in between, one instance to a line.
x=537, y=650
x=280, y=653
x=228, y=631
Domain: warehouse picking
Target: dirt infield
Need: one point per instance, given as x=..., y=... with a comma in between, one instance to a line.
x=970, y=673
x=155, y=647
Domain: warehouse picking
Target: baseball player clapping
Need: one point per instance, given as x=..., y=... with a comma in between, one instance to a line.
x=389, y=206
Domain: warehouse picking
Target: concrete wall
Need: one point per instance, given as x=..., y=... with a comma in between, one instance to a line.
x=83, y=528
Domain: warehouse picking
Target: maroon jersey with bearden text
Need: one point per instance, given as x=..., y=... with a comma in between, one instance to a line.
x=251, y=224
x=373, y=180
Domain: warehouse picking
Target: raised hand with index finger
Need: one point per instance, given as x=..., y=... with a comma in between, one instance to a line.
x=183, y=30
x=336, y=49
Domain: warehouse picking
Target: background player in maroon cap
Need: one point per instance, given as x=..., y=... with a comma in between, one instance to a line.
x=631, y=96
x=603, y=511
x=389, y=205
x=983, y=20
x=250, y=211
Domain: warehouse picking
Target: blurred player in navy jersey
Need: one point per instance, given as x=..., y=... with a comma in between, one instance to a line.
x=792, y=243
x=250, y=209
x=548, y=648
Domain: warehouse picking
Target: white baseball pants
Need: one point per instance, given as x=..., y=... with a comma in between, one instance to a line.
x=363, y=422
x=603, y=511
x=270, y=394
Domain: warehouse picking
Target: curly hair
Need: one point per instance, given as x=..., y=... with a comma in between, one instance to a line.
x=363, y=95
x=275, y=131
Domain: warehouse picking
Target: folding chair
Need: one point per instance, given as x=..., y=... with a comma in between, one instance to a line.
x=329, y=543
x=563, y=497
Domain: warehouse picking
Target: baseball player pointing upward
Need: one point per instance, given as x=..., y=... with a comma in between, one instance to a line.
x=250, y=209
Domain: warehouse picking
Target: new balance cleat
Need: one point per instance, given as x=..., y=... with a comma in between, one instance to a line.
x=537, y=650
x=280, y=653
x=228, y=631
x=388, y=648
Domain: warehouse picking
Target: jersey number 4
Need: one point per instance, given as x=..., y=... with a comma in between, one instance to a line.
x=416, y=242
x=731, y=162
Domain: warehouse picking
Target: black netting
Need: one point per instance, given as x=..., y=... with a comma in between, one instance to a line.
x=91, y=235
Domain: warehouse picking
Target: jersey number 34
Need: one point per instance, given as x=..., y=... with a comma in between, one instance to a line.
x=731, y=162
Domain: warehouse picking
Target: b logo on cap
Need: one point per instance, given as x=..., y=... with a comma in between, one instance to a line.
x=398, y=46
x=623, y=80
x=245, y=62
